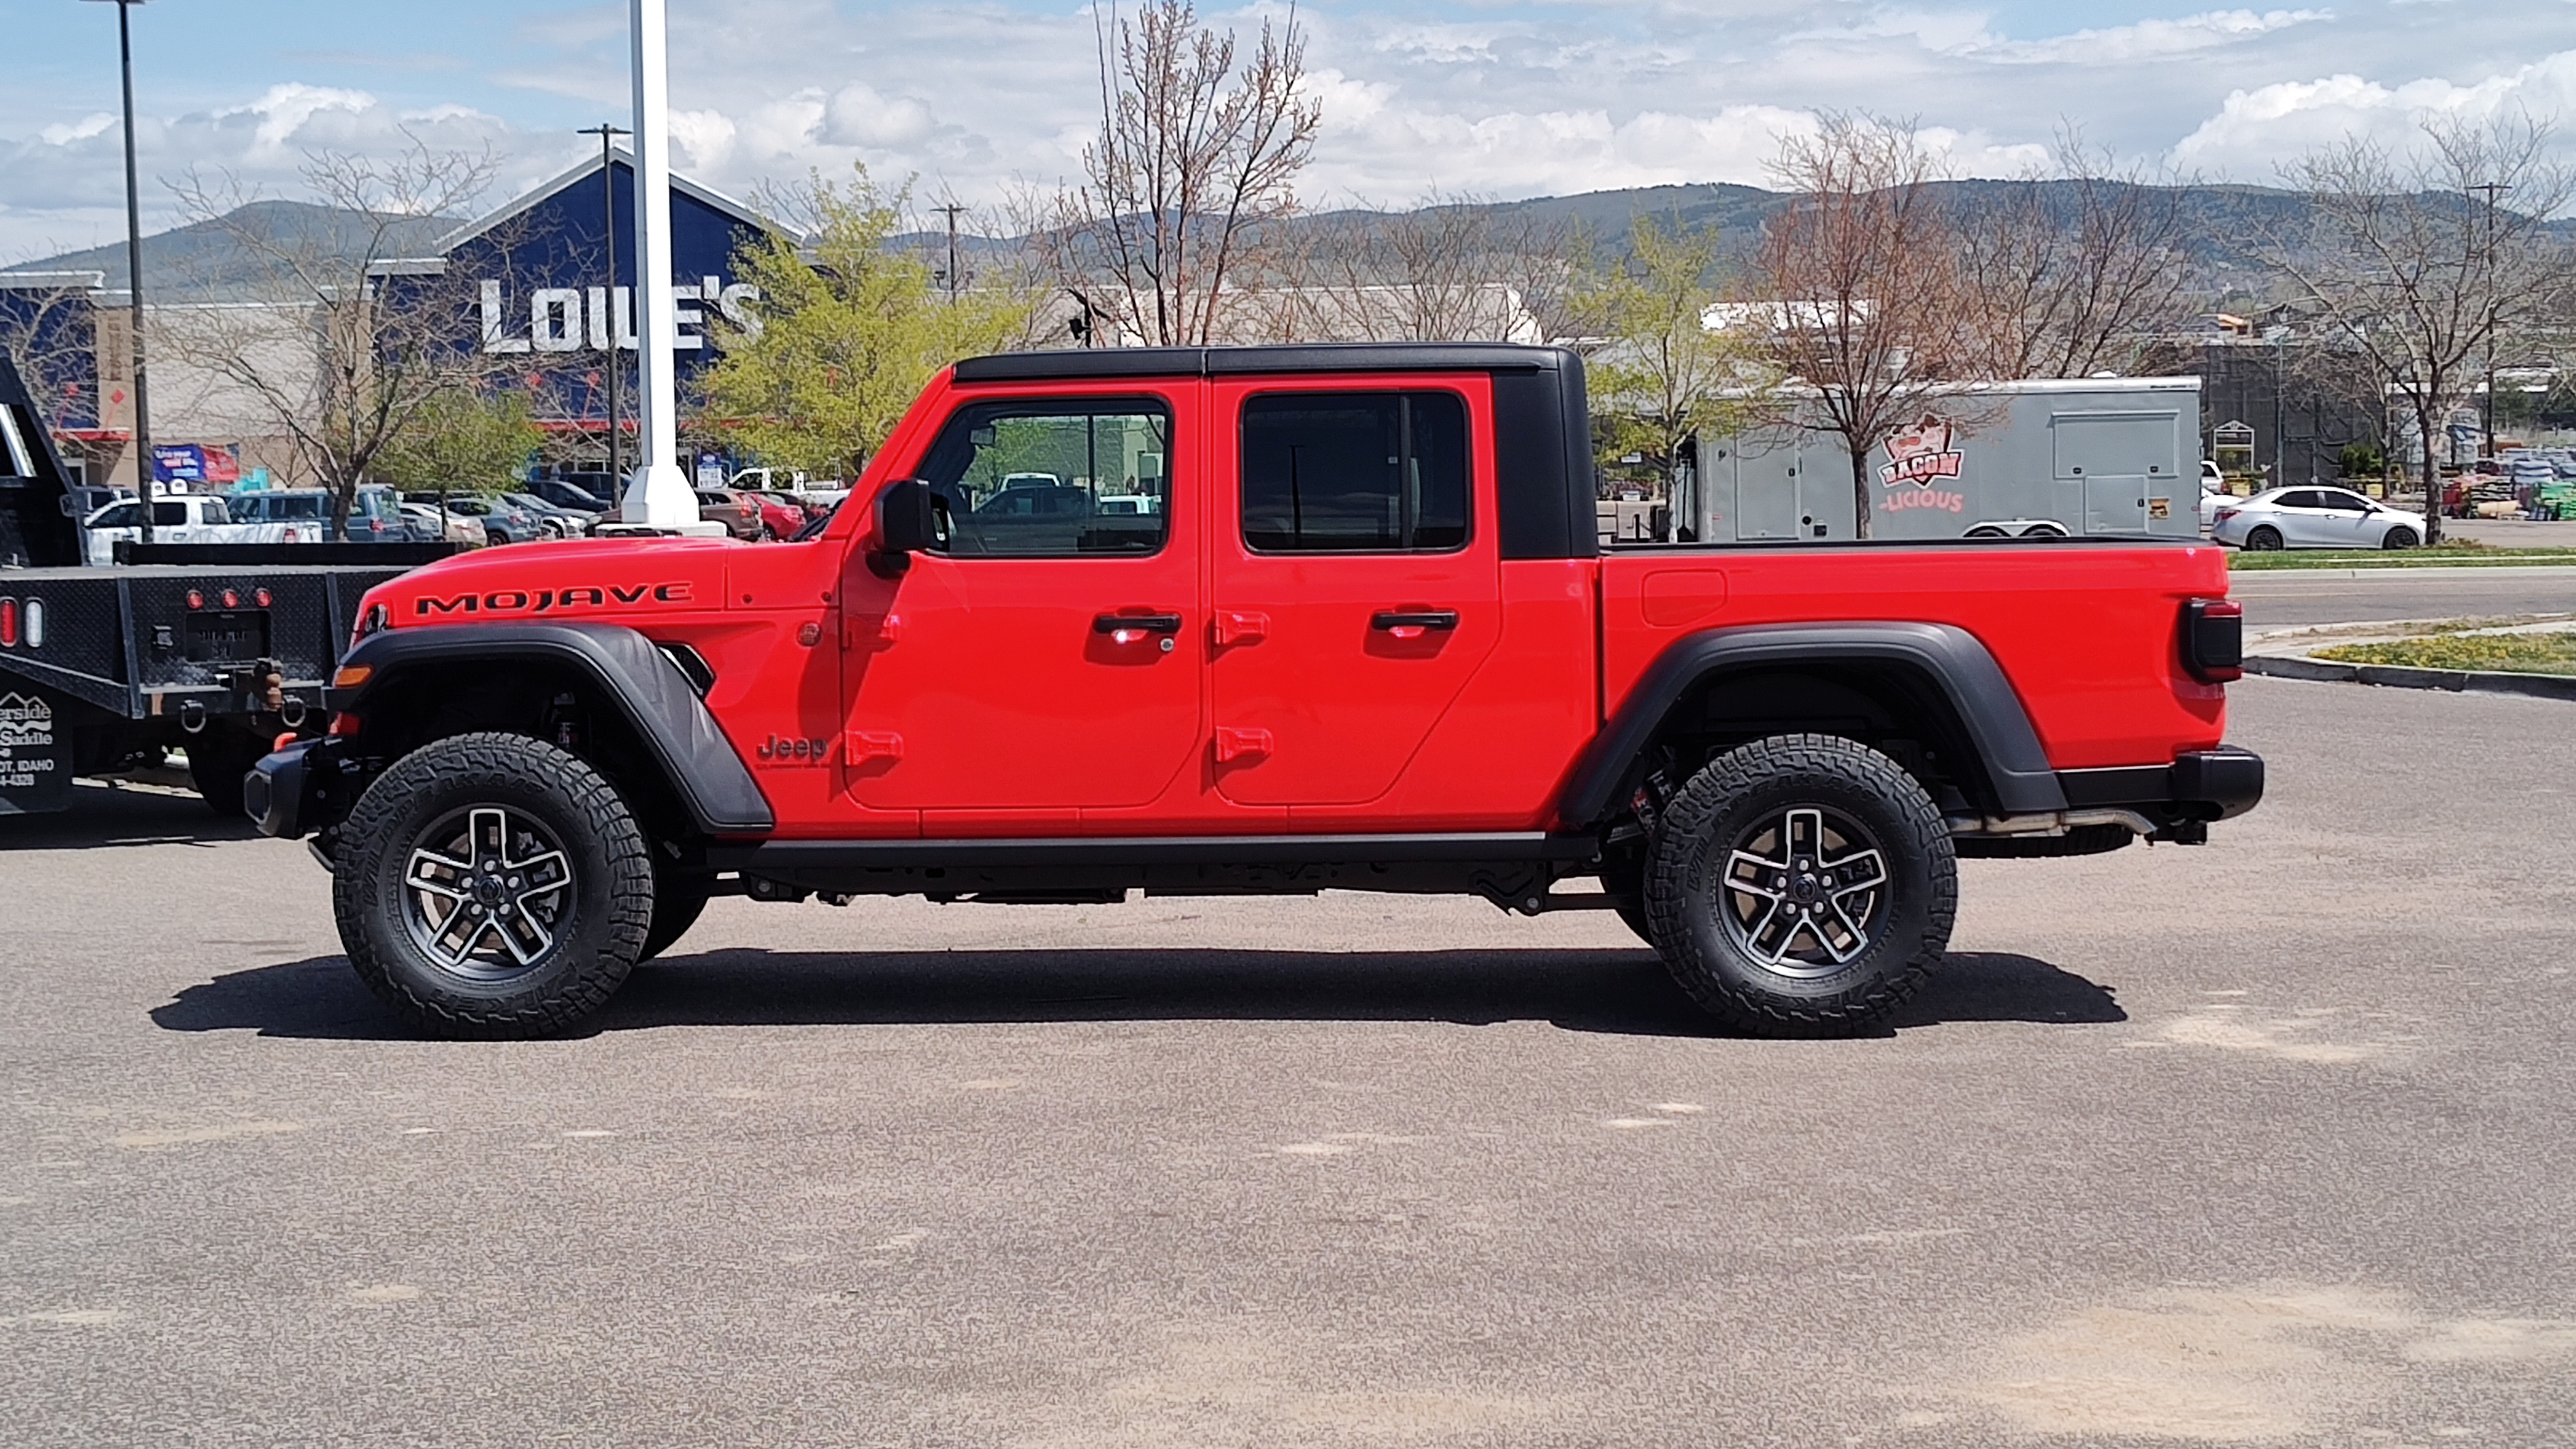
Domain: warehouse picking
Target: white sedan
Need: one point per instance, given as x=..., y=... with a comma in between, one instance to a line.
x=2314, y=518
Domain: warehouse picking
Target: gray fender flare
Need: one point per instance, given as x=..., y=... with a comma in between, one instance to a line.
x=629, y=669
x=1946, y=657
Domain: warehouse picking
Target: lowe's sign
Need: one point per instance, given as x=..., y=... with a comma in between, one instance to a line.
x=541, y=283
x=577, y=319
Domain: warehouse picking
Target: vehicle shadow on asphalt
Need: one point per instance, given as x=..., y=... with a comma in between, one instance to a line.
x=102, y=816
x=1620, y=992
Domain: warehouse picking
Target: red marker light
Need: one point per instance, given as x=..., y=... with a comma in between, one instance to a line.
x=8, y=623
x=232, y=600
x=260, y=597
x=196, y=600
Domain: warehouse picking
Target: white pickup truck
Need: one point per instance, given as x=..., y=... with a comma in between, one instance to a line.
x=301, y=515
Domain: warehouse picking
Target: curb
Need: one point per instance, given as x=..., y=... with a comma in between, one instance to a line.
x=2397, y=676
x=2240, y=576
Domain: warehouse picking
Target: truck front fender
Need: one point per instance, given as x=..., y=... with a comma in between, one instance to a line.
x=1945, y=658
x=622, y=666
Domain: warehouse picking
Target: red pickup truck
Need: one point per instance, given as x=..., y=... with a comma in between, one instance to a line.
x=1248, y=620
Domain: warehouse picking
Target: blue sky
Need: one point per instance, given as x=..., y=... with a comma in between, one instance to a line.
x=1421, y=96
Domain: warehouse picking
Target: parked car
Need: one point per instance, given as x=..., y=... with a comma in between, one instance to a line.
x=502, y=521
x=303, y=515
x=556, y=521
x=2213, y=495
x=2314, y=518
x=188, y=518
x=426, y=524
x=738, y=511
x=783, y=515
x=573, y=495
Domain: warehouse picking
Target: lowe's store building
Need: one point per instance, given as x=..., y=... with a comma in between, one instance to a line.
x=539, y=268
x=542, y=303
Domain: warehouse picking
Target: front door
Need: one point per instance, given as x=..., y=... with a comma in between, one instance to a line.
x=1047, y=657
x=1357, y=579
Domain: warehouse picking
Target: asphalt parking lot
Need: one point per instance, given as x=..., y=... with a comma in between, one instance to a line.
x=2262, y=1142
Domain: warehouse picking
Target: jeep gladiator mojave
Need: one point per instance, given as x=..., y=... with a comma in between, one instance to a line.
x=1345, y=627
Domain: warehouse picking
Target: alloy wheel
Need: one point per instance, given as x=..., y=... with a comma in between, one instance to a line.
x=1804, y=892
x=486, y=891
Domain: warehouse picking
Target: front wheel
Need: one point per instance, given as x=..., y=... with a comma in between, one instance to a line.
x=492, y=885
x=2263, y=540
x=1801, y=885
x=2399, y=537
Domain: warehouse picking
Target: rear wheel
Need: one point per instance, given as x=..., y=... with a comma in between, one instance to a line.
x=2264, y=539
x=492, y=885
x=1801, y=885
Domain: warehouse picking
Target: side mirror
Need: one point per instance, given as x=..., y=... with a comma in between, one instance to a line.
x=907, y=524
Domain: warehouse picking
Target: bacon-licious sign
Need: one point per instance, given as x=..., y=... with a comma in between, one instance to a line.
x=1917, y=456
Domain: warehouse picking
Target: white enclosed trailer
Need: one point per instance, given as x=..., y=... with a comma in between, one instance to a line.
x=2068, y=456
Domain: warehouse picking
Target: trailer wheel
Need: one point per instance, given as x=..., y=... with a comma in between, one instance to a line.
x=492, y=885
x=218, y=758
x=1801, y=885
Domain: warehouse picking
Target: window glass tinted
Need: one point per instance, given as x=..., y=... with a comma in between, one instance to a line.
x=1053, y=477
x=2298, y=498
x=1355, y=472
x=2348, y=502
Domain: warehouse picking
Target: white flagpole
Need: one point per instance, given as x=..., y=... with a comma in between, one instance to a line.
x=656, y=495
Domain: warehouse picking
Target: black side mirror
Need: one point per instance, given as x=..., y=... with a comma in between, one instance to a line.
x=907, y=524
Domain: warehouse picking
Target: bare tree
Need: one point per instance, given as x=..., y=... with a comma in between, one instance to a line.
x=335, y=343
x=1456, y=269
x=2076, y=269
x=48, y=331
x=1858, y=289
x=2424, y=261
x=1194, y=156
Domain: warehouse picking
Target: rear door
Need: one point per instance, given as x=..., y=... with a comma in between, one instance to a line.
x=1356, y=578
x=1044, y=660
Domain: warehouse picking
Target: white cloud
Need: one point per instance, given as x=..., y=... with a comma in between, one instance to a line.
x=2257, y=128
x=2150, y=39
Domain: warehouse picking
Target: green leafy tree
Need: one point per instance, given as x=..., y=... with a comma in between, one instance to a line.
x=848, y=331
x=1662, y=376
x=460, y=441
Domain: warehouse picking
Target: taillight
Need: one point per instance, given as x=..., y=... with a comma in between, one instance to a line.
x=2213, y=639
x=2225, y=514
x=8, y=623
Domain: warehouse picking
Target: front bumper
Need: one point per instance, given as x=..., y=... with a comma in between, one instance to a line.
x=301, y=790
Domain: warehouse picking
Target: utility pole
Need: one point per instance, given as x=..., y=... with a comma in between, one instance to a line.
x=134, y=271
x=2486, y=448
x=608, y=230
x=950, y=211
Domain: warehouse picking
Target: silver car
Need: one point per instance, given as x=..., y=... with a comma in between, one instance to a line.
x=2314, y=518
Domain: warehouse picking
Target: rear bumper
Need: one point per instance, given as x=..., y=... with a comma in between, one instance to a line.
x=2182, y=798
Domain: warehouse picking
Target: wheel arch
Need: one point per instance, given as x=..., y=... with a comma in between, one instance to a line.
x=635, y=690
x=1935, y=678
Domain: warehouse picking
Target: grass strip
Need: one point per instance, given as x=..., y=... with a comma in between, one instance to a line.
x=2443, y=556
x=2509, y=653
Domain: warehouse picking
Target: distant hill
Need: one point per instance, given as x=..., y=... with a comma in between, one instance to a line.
x=204, y=261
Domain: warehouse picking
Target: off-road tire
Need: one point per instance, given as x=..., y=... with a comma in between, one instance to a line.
x=1710, y=819
x=678, y=899
x=597, y=938
x=2263, y=540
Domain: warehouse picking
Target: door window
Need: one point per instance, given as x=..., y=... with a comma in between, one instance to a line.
x=1053, y=478
x=2298, y=498
x=1375, y=472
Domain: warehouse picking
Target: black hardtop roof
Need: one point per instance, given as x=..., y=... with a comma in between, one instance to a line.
x=1103, y=362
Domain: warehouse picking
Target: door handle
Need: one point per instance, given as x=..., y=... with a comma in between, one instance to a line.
x=1405, y=625
x=1136, y=623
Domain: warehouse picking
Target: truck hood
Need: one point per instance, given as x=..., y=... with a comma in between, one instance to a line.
x=611, y=581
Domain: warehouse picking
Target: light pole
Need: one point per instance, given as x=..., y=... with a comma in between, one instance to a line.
x=608, y=229
x=134, y=271
x=2486, y=257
